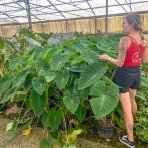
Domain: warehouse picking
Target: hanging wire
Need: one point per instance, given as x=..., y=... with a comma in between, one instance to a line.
x=3, y=3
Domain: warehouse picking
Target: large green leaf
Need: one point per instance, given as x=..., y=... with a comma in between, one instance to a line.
x=62, y=78
x=77, y=60
x=70, y=43
x=5, y=82
x=59, y=61
x=46, y=143
x=98, y=88
x=20, y=78
x=89, y=56
x=103, y=105
x=81, y=113
x=13, y=130
x=39, y=53
x=28, y=80
x=84, y=42
x=42, y=65
x=27, y=59
x=76, y=68
x=45, y=120
x=113, y=88
x=106, y=100
x=13, y=64
x=24, y=125
x=71, y=101
x=83, y=93
x=55, y=118
x=144, y=81
x=49, y=75
x=38, y=102
x=39, y=84
x=53, y=50
x=91, y=74
x=9, y=94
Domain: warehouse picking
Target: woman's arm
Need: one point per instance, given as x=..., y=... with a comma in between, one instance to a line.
x=124, y=44
x=145, y=55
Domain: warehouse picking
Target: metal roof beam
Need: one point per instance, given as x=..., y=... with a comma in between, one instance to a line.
x=90, y=7
x=73, y=4
x=95, y=7
x=63, y=20
x=68, y=12
x=9, y=16
x=106, y=18
x=13, y=2
x=121, y=5
x=4, y=4
x=30, y=12
x=82, y=9
x=130, y=5
x=56, y=9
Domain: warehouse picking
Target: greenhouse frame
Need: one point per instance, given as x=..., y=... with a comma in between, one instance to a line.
x=63, y=14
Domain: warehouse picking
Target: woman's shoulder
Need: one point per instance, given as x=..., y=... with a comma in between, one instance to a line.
x=126, y=40
x=145, y=43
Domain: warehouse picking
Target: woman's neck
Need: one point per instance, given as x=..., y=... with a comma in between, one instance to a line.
x=134, y=33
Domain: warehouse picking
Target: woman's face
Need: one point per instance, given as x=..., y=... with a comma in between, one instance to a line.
x=126, y=26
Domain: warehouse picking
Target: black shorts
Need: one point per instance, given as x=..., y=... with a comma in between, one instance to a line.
x=127, y=77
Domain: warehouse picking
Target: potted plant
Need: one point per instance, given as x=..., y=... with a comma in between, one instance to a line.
x=105, y=127
x=103, y=104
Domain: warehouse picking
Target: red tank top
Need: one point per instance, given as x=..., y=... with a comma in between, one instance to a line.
x=132, y=55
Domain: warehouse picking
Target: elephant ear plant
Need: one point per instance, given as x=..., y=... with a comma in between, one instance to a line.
x=56, y=82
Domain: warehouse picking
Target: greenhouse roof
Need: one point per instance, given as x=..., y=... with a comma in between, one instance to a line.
x=22, y=11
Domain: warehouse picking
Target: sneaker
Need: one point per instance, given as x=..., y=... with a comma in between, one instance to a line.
x=124, y=140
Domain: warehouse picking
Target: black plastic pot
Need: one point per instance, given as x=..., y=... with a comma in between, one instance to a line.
x=105, y=132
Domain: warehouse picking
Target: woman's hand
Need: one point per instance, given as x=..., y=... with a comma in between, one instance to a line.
x=104, y=57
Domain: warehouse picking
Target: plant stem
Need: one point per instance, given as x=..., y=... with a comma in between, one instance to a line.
x=64, y=122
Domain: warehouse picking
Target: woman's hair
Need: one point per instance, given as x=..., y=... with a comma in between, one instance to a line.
x=134, y=19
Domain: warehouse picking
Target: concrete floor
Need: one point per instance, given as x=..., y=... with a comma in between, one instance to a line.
x=33, y=140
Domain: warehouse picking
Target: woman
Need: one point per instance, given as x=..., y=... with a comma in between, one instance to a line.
x=128, y=72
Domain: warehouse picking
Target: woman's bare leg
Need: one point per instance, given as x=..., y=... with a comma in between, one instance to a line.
x=128, y=116
x=132, y=93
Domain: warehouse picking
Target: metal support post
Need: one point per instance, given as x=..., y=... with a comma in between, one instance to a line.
x=106, y=18
x=28, y=13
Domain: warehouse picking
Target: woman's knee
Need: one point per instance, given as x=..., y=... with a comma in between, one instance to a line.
x=133, y=106
x=128, y=114
x=134, y=109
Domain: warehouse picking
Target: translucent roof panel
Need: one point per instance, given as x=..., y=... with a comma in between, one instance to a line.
x=18, y=11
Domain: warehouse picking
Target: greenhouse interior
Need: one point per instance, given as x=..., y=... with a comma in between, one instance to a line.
x=59, y=73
